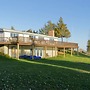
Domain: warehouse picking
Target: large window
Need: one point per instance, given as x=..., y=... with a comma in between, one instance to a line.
x=14, y=35
x=1, y=34
x=41, y=38
x=37, y=51
x=41, y=52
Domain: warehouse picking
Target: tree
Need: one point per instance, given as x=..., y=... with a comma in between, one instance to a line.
x=62, y=29
x=42, y=31
x=88, y=46
x=29, y=30
x=12, y=28
x=32, y=31
x=47, y=27
x=57, y=32
x=35, y=31
x=50, y=25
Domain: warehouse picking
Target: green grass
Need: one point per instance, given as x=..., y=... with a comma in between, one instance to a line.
x=57, y=73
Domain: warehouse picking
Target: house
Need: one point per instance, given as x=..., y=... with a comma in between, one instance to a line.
x=16, y=43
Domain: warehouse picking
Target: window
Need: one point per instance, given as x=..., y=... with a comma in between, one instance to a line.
x=37, y=52
x=14, y=35
x=41, y=52
x=1, y=34
x=41, y=38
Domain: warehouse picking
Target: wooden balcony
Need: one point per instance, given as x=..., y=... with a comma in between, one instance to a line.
x=5, y=40
x=56, y=43
x=28, y=41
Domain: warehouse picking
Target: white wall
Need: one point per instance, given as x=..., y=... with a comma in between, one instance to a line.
x=25, y=35
x=6, y=34
x=2, y=49
x=6, y=49
x=49, y=52
x=20, y=35
x=24, y=50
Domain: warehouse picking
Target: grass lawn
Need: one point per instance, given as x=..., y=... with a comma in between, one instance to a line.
x=57, y=73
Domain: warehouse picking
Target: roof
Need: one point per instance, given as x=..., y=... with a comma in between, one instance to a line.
x=21, y=32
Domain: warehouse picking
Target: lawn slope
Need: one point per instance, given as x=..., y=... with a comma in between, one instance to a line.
x=58, y=73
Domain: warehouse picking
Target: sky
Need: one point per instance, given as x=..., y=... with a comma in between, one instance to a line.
x=34, y=14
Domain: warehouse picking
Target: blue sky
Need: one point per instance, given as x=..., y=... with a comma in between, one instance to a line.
x=33, y=14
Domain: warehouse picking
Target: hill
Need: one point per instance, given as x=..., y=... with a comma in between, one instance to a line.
x=57, y=73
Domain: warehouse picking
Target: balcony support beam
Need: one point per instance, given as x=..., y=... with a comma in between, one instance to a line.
x=77, y=52
x=71, y=51
x=45, y=48
x=55, y=51
x=17, y=50
x=52, y=51
x=64, y=51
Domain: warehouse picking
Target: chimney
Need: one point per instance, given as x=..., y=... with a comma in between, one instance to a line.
x=51, y=33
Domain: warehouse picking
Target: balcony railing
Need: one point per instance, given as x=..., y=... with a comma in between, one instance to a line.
x=29, y=41
x=55, y=43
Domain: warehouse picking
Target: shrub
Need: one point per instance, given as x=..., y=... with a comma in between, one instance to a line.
x=6, y=55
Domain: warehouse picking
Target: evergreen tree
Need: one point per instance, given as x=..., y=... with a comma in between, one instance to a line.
x=12, y=28
x=46, y=28
x=29, y=30
x=62, y=28
x=88, y=46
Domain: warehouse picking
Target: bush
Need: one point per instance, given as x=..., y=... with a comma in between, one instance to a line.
x=6, y=55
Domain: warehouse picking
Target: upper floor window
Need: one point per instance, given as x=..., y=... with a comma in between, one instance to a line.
x=14, y=35
x=1, y=34
x=41, y=38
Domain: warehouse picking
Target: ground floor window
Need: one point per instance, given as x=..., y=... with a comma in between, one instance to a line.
x=13, y=51
x=38, y=51
x=41, y=52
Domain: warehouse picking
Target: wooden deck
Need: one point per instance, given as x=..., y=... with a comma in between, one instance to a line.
x=28, y=41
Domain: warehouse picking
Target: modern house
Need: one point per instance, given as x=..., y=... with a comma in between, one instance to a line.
x=16, y=43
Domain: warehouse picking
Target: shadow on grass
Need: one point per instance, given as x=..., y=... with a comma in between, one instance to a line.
x=85, y=67
x=67, y=64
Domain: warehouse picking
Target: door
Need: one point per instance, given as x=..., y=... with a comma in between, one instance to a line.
x=39, y=52
x=13, y=51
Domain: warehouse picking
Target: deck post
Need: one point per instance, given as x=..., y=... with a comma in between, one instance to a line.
x=52, y=51
x=64, y=51
x=8, y=49
x=55, y=51
x=71, y=51
x=45, y=48
x=32, y=51
x=77, y=52
x=17, y=50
